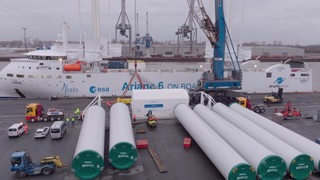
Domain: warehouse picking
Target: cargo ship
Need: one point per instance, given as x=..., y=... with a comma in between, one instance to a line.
x=61, y=72
x=85, y=70
x=65, y=71
x=50, y=73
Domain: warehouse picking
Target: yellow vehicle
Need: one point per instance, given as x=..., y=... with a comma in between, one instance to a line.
x=151, y=120
x=53, y=159
x=243, y=101
x=274, y=97
x=124, y=100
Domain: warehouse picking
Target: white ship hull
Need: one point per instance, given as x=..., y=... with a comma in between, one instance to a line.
x=257, y=79
x=46, y=78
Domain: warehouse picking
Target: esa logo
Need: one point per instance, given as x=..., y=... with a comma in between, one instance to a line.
x=94, y=89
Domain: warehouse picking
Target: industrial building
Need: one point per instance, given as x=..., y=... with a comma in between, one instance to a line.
x=276, y=52
x=167, y=50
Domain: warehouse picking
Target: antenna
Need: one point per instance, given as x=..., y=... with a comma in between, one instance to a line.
x=135, y=19
x=147, y=23
x=25, y=37
x=80, y=28
x=137, y=24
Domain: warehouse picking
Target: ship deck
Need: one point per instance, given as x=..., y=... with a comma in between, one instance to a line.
x=166, y=139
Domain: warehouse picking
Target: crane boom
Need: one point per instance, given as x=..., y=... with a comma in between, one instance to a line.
x=216, y=34
x=205, y=22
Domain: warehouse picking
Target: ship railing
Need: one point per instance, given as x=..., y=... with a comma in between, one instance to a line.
x=253, y=70
x=207, y=100
x=22, y=60
x=97, y=100
x=105, y=70
x=118, y=70
x=167, y=70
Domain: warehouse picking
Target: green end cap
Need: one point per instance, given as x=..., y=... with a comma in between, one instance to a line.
x=232, y=103
x=272, y=167
x=242, y=171
x=122, y=155
x=301, y=167
x=87, y=164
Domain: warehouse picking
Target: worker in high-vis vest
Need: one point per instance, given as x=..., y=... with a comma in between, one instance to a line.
x=77, y=111
x=68, y=120
x=73, y=120
x=77, y=114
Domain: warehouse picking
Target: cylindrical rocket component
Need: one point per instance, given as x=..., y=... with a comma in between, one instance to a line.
x=299, y=142
x=268, y=165
x=298, y=164
x=230, y=164
x=122, y=147
x=88, y=159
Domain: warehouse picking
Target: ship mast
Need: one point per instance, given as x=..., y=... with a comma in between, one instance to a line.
x=96, y=19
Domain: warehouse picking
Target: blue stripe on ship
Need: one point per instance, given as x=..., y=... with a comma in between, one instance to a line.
x=153, y=106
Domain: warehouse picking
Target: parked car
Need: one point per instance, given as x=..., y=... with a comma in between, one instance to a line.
x=17, y=129
x=42, y=132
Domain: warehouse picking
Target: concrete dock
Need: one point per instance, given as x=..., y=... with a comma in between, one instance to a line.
x=166, y=139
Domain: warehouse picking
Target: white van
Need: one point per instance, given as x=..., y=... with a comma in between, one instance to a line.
x=58, y=129
x=16, y=129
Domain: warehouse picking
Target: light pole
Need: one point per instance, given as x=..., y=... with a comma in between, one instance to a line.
x=25, y=37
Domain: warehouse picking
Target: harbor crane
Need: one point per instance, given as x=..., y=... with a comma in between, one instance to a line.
x=188, y=30
x=219, y=37
x=122, y=26
x=147, y=39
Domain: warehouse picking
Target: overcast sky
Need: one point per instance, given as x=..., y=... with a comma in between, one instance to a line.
x=288, y=21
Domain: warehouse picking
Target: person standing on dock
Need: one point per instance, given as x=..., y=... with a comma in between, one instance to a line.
x=26, y=129
x=68, y=120
x=73, y=120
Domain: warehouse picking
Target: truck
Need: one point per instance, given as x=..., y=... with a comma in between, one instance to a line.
x=245, y=102
x=35, y=112
x=23, y=166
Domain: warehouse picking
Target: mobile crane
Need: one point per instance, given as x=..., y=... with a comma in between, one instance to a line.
x=214, y=82
x=219, y=37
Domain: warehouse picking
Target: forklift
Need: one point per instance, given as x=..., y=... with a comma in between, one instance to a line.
x=151, y=120
x=274, y=97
